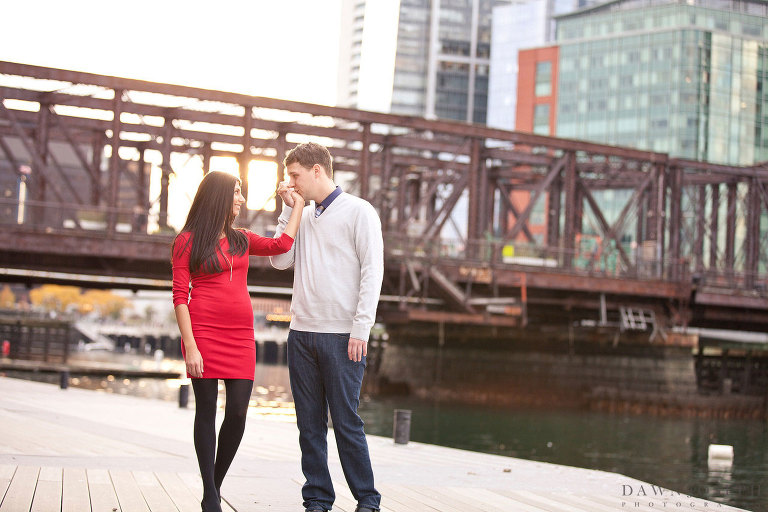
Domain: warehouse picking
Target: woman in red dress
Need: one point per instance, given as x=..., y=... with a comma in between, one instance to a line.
x=215, y=318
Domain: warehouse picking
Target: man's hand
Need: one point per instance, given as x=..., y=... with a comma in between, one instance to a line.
x=357, y=349
x=286, y=194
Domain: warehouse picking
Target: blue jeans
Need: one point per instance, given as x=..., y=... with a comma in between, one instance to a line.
x=323, y=378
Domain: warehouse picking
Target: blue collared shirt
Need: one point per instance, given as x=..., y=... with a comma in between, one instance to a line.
x=319, y=209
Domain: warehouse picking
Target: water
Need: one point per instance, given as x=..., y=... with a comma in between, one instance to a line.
x=668, y=452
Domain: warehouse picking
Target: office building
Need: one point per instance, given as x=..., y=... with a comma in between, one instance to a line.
x=519, y=25
x=679, y=77
x=430, y=59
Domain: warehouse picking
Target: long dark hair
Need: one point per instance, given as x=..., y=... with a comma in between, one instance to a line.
x=210, y=214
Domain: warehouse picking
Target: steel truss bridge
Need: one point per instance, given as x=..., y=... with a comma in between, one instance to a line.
x=483, y=227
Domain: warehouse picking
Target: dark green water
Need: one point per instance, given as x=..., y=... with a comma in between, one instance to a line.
x=671, y=453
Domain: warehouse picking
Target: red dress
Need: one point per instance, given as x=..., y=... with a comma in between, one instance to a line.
x=220, y=306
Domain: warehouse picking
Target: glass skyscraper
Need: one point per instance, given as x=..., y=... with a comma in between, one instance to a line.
x=684, y=77
x=521, y=24
x=443, y=59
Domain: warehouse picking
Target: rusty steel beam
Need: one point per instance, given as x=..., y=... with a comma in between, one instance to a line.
x=554, y=171
x=448, y=127
x=114, y=162
x=410, y=159
x=364, y=173
x=573, y=221
x=609, y=232
x=714, y=226
x=505, y=197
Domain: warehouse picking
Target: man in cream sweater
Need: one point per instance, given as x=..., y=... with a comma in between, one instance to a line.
x=338, y=260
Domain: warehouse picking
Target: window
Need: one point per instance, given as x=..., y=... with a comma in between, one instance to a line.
x=543, y=78
x=541, y=119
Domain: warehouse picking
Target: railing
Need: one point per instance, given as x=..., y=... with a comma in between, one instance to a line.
x=36, y=339
x=602, y=260
x=66, y=216
x=496, y=254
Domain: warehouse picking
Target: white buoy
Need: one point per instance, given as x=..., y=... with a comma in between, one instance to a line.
x=720, y=456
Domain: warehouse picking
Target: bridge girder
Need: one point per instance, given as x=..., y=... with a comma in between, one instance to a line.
x=496, y=202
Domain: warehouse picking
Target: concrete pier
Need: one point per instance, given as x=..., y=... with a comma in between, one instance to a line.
x=83, y=450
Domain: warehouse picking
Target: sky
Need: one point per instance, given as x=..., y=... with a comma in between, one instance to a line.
x=277, y=48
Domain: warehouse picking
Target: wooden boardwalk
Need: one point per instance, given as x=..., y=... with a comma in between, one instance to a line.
x=77, y=450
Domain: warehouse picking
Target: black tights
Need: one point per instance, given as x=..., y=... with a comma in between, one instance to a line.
x=214, y=462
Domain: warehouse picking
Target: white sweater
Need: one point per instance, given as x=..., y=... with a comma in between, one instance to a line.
x=338, y=261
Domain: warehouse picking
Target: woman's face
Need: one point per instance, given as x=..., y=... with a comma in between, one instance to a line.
x=238, y=200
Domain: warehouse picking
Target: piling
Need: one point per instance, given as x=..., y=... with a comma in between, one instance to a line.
x=183, y=396
x=402, y=426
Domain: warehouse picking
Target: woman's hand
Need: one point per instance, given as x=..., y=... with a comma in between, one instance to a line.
x=296, y=198
x=194, y=361
x=286, y=194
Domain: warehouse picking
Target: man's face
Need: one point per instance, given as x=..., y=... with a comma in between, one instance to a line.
x=303, y=180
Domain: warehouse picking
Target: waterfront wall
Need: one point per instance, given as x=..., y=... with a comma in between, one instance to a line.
x=657, y=380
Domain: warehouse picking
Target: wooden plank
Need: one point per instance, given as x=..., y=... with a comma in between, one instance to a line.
x=128, y=492
x=195, y=484
x=437, y=497
x=460, y=500
x=154, y=494
x=344, y=499
x=584, y=503
x=21, y=490
x=75, y=497
x=398, y=499
x=495, y=499
x=48, y=492
x=542, y=500
x=6, y=474
x=178, y=491
x=103, y=496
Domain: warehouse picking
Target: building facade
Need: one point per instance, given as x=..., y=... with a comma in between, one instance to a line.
x=679, y=77
x=517, y=26
x=428, y=58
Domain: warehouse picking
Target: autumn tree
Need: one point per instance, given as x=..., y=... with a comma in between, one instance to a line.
x=54, y=297
x=7, y=297
x=104, y=302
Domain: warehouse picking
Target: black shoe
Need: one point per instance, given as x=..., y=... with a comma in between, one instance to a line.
x=366, y=509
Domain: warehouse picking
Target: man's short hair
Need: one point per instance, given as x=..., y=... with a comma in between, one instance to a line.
x=309, y=154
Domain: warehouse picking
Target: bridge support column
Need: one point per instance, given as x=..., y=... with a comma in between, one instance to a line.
x=753, y=233
x=244, y=161
x=281, y=148
x=473, y=186
x=166, y=171
x=97, y=151
x=142, y=193
x=114, y=162
x=553, y=213
x=384, y=204
x=41, y=147
x=571, y=211
x=675, y=222
x=364, y=171
x=730, y=230
x=701, y=227
x=714, y=227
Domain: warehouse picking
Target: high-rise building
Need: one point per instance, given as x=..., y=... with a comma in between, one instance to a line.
x=435, y=66
x=519, y=25
x=367, y=43
x=680, y=77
